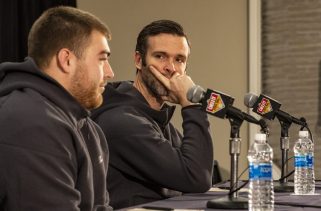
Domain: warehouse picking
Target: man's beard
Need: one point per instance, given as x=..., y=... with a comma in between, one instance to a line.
x=156, y=88
x=90, y=97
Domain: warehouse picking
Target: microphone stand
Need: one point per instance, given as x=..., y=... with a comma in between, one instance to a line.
x=232, y=201
x=283, y=185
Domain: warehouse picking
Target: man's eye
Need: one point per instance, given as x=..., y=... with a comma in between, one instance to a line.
x=180, y=60
x=159, y=56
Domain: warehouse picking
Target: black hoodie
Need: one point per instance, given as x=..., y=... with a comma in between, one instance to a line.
x=52, y=156
x=149, y=158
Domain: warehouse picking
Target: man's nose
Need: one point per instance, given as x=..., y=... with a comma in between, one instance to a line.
x=170, y=67
x=108, y=71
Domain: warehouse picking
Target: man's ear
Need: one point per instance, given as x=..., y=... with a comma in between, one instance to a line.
x=65, y=60
x=138, y=60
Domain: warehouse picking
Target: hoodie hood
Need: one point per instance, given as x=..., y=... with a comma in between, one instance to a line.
x=18, y=76
x=124, y=94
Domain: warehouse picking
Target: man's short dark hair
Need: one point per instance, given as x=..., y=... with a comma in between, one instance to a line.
x=155, y=28
x=62, y=27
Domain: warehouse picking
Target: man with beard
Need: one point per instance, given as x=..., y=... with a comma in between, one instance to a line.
x=52, y=155
x=149, y=158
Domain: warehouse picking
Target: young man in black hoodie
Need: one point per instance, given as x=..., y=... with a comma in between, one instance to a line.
x=52, y=155
x=149, y=158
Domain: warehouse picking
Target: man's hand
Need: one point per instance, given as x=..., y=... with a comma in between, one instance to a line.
x=177, y=87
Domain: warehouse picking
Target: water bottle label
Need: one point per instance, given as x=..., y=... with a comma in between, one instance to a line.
x=261, y=171
x=310, y=160
x=300, y=161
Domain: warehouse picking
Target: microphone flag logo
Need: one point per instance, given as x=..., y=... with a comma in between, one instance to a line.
x=215, y=103
x=264, y=106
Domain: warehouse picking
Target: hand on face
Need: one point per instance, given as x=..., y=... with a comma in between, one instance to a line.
x=177, y=86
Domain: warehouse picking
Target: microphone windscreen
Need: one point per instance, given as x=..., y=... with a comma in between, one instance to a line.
x=250, y=99
x=195, y=94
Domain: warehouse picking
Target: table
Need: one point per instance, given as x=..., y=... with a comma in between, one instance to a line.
x=198, y=201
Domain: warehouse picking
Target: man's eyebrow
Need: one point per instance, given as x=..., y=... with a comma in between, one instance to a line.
x=161, y=52
x=181, y=56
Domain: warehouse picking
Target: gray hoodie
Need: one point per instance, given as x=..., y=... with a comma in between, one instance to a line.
x=149, y=159
x=52, y=155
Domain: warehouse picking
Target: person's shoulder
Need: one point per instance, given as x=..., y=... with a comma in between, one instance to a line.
x=123, y=120
x=28, y=122
x=125, y=114
x=21, y=102
x=30, y=110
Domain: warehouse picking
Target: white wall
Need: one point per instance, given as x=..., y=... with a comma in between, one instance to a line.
x=218, y=32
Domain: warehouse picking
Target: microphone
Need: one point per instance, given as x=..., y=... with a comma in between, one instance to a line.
x=213, y=102
x=220, y=105
x=269, y=108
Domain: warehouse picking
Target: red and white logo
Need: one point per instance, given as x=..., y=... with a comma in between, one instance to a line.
x=264, y=106
x=215, y=103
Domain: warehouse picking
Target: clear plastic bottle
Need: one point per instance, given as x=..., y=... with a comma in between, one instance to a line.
x=261, y=192
x=310, y=173
x=304, y=181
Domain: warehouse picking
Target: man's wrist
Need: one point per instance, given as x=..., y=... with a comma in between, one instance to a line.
x=186, y=103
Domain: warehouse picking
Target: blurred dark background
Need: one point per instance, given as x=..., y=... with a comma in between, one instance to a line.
x=16, y=20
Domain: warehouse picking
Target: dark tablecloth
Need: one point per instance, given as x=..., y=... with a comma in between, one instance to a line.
x=283, y=200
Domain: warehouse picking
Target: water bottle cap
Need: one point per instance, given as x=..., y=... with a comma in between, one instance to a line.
x=303, y=133
x=260, y=137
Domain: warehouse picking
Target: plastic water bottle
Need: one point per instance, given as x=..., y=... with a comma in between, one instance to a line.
x=304, y=181
x=310, y=173
x=261, y=192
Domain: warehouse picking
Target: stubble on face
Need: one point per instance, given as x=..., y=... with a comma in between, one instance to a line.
x=155, y=87
x=89, y=96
